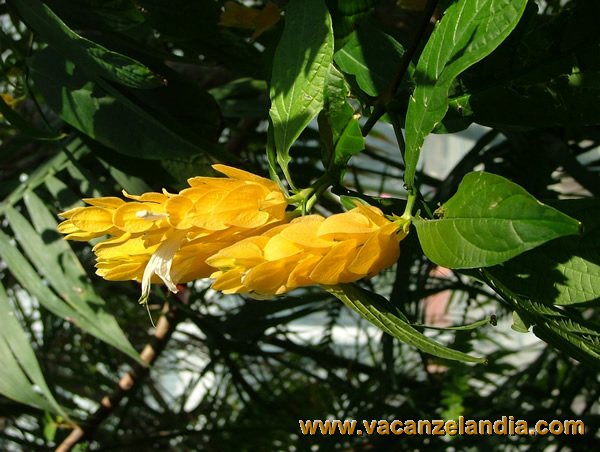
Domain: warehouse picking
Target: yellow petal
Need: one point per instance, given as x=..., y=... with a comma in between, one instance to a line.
x=236, y=173
x=92, y=219
x=303, y=231
x=131, y=217
x=300, y=275
x=269, y=278
x=331, y=269
x=279, y=247
x=228, y=282
x=109, y=202
x=158, y=198
x=246, y=253
x=69, y=213
x=372, y=213
x=126, y=271
x=178, y=208
x=348, y=225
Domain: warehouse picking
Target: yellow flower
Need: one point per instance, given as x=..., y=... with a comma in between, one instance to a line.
x=309, y=250
x=168, y=237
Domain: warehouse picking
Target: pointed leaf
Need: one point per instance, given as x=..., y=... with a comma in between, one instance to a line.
x=20, y=370
x=338, y=127
x=375, y=311
x=93, y=58
x=468, y=32
x=488, y=221
x=565, y=271
x=300, y=65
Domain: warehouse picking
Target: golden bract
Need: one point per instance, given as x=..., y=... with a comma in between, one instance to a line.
x=164, y=236
x=310, y=250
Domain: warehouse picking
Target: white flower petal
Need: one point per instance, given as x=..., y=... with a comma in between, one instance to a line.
x=160, y=264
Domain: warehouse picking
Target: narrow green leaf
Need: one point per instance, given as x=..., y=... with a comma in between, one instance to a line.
x=91, y=57
x=468, y=32
x=300, y=66
x=565, y=271
x=20, y=370
x=375, y=311
x=488, y=221
x=91, y=319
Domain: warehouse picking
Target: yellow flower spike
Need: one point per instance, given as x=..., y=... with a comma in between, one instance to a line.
x=310, y=250
x=165, y=237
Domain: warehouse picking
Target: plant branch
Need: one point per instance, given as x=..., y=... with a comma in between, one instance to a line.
x=390, y=92
x=164, y=329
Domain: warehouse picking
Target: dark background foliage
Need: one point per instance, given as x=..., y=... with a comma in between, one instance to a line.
x=100, y=96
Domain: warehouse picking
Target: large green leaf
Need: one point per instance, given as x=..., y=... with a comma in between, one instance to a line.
x=300, y=66
x=563, y=272
x=372, y=56
x=378, y=311
x=87, y=55
x=488, y=221
x=20, y=371
x=119, y=121
x=468, y=32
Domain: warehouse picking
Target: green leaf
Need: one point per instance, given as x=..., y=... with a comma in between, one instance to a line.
x=113, y=119
x=376, y=310
x=488, y=221
x=300, y=66
x=466, y=34
x=20, y=371
x=339, y=129
x=567, y=331
x=537, y=78
x=113, y=15
x=372, y=56
x=89, y=56
x=565, y=271
x=346, y=15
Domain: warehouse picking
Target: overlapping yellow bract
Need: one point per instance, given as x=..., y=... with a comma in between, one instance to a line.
x=307, y=251
x=235, y=230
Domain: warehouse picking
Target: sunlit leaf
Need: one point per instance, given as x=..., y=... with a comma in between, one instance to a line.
x=467, y=33
x=488, y=221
